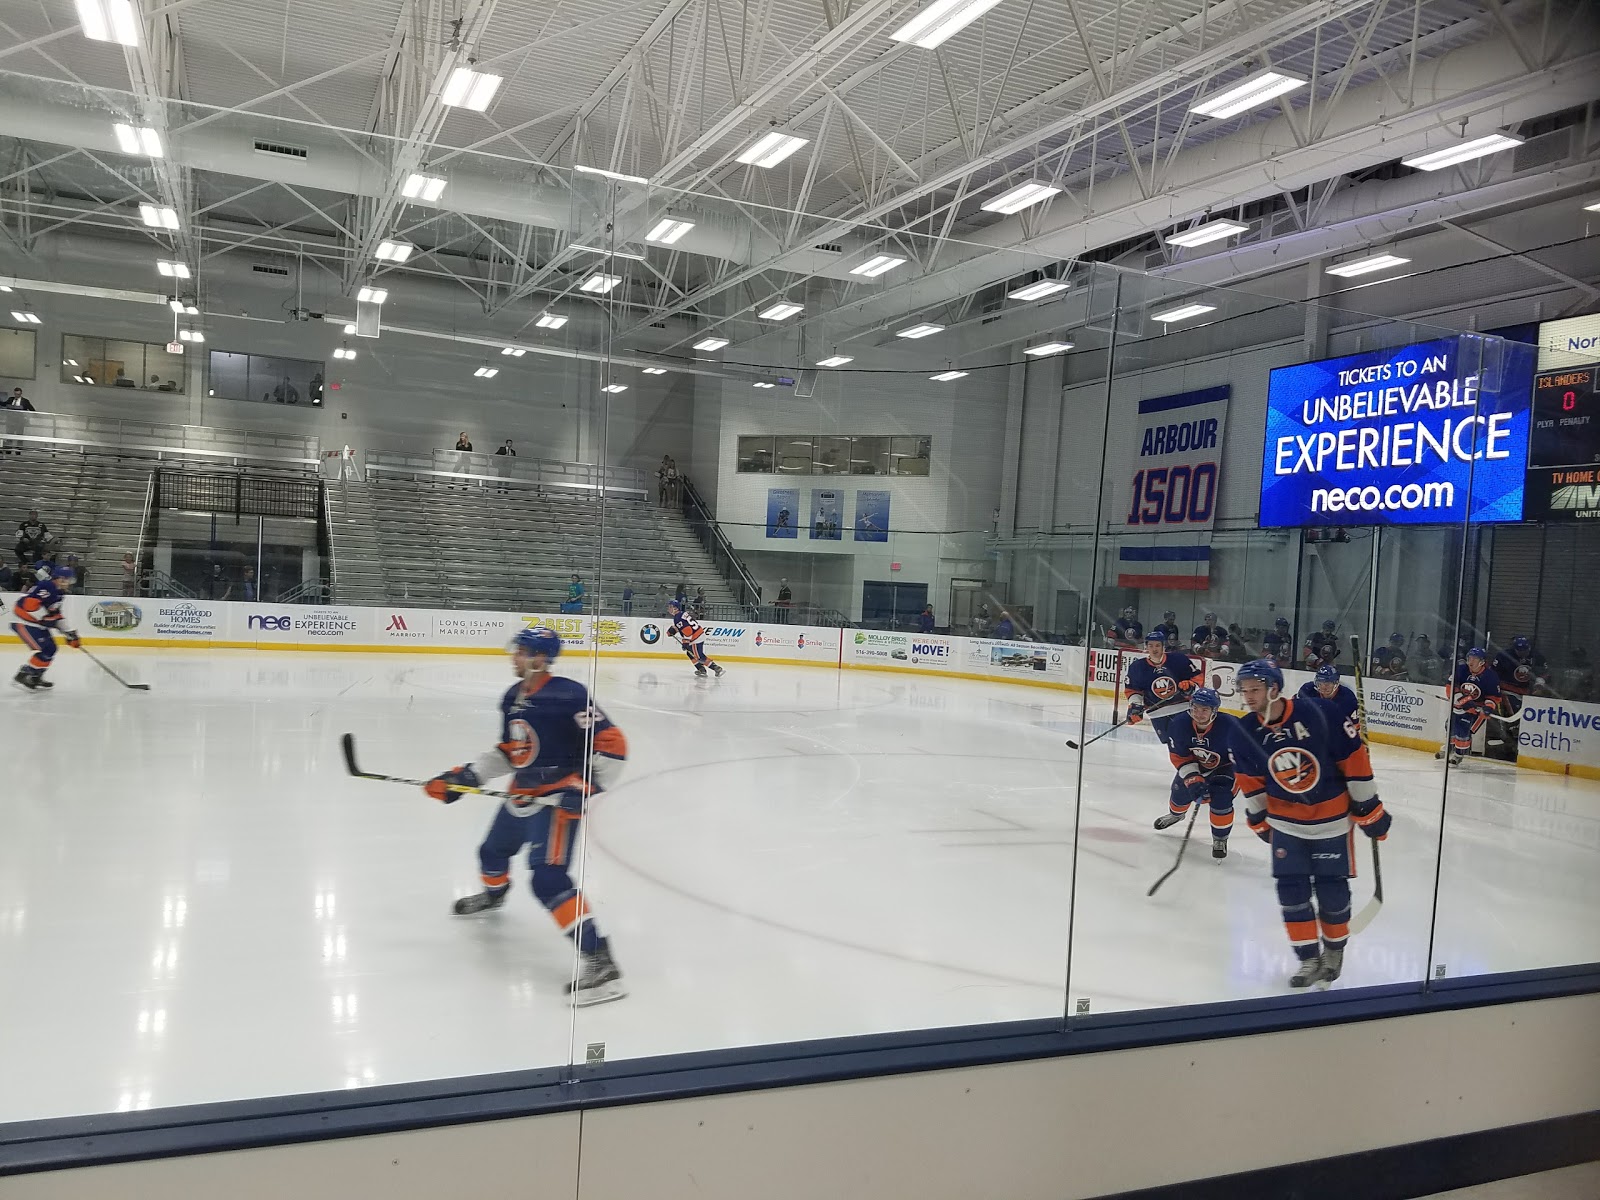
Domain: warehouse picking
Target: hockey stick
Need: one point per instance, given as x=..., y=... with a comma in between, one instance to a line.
x=134, y=687
x=347, y=742
x=1182, y=846
x=1115, y=725
x=1364, y=918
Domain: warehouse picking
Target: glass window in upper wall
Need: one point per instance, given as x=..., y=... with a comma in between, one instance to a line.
x=831, y=456
x=909, y=455
x=16, y=354
x=869, y=456
x=755, y=455
x=794, y=453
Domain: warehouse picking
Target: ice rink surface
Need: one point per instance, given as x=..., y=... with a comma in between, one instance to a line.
x=196, y=903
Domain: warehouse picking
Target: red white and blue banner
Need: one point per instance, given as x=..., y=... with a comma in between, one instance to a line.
x=1166, y=499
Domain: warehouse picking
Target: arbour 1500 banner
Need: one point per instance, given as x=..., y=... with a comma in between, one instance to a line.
x=1427, y=434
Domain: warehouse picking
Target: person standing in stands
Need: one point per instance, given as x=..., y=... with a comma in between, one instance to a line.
x=505, y=449
x=248, y=586
x=925, y=620
x=575, y=594
x=785, y=601
x=463, y=442
x=80, y=575
x=661, y=480
x=20, y=402
x=627, y=599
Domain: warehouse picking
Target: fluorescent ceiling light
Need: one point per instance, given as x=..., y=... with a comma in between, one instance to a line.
x=1183, y=312
x=550, y=321
x=919, y=331
x=941, y=20
x=190, y=310
x=1366, y=266
x=349, y=330
x=1038, y=291
x=191, y=335
x=876, y=266
x=1024, y=195
x=1595, y=207
x=467, y=88
x=615, y=387
x=668, y=230
x=344, y=352
x=711, y=343
x=422, y=187
x=1252, y=93
x=835, y=360
x=372, y=295
x=71, y=362
x=655, y=370
x=771, y=148
x=514, y=351
x=764, y=384
x=137, y=140
x=175, y=305
x=599, y=283
x=158, y=218
x=781, y=311
x=109, y=21
x=172, y=270
x=4, y=288
x=486, y=372
x=603, y=250
x=947, y=376
x=1044, y=348
x=617, y=175
x=1437, y=160
x=1211, y=231
x=26, y=318
x=394, y=251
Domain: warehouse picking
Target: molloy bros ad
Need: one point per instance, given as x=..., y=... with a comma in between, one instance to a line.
x=1425, y=434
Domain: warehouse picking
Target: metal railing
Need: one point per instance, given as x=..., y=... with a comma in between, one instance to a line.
x=146, y=532
x=325, y=536
x=746, y=591
x=236, y=447
x=238, y=494
x=158, y=583
x=504, y=471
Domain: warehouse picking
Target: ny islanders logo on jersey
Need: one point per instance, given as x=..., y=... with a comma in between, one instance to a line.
x=1295, y=768
x=1470, y=690
x=1165, y=687
x=521, y=746
x=1523, y=674
x=1208, y=759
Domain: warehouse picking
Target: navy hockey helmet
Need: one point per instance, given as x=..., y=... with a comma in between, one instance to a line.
x=1263, y=669
x=1397, y=639
x=539, y=640
x=1327, y=673
x=1207, y=698
x=1329, y=626
x=63, y=573
x=1521, y=644
x=1478, y=652
x=1129, y=612
x=1282, y=623
x=1156, y=635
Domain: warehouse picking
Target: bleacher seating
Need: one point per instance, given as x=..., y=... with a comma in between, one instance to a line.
x=431, y=543
x=92, y=502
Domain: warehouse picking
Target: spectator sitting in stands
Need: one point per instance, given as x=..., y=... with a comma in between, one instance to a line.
x=122, y=380
x=925, y=621
x=20, y=402
x=699, y=604
x=681, y=596
x=463, y=442
x=1005, y=627
x=506, y=449
x=155, y=383
x=170, y=385
x=33, y=535
x=575, y=592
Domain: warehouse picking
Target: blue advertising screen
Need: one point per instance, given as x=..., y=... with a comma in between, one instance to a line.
x=1415, y=435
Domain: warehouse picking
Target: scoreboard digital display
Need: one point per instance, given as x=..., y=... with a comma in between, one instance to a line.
x=1564, y=446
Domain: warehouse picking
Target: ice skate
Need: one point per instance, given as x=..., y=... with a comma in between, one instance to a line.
x=1168, y=819
x=717, y=670
x=31, y=681
x=598, y=980
x=1441, y=752
x=1219, y=847
x=480, y=902
x=1332, y=964
x=1455, y=758
x=1309, y=972
x=699, y=672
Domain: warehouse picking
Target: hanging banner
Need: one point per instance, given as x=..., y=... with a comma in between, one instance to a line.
x=783, y=508
x=827, y=515
x=872, y=516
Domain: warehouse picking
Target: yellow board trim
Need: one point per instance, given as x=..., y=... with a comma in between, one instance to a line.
x=1556, y=767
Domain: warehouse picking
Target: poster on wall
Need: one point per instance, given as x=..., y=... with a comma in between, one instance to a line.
x=872, y=516
x=827, y=515
x=1563, y=482
x=1167, y=494
x=1416, y=435
x=783, y=512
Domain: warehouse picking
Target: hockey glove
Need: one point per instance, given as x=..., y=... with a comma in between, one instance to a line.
x=1373, y=818
x=1135, y=711
x=439, y=786
x=1199, y=788
x=1259, y=826
x=73, y=639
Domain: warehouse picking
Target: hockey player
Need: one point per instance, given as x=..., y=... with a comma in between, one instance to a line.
x=1278, y=643
x=1322, y=646
x=1208, y=638
x=560, y=750
x=1521, y=669
x=38, y=620
x=1389, y=662
x=1169, y=627
x=1473, y=696
x=1127, y=632
x=1425, y=665
x=1158, y=679
x=1304, y=777
x=1330, y=690
x=1198, y=746
x=689, y=633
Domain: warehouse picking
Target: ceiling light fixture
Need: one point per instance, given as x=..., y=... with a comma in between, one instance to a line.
x=1595, y=207
x=711, y=343
x=172, y=270
x=486, y=372
x=138, y=140
x=947, y=376
x=550, y=321
x=1252, y=93
x=1038, y=291
x=919, y=331
x=109, y=21
x=1366, y=266
x=602, y=250
x=1024, y=195
x=191, y=335
x=781, y=311
x=158, y=218
x=599, y=283
x=423, y=187
x=190, y=309
x=467, y=88
x=1211, y=231
x=349, y=330
x=372, y=295
x=601, y=171
x=344, y=352
x=655, y=370
x=1045, y=348
x=1437, y=160
x=514, y=351
x=668, y=230
x=940, y=21
x=764, y=384
x=71, y=362
x=615, y=387
x=1183, y=312
x=835, y=360
x=25, y=318
x=771, y=148
x=877, y=265
x=394, y=251
x=175, y=305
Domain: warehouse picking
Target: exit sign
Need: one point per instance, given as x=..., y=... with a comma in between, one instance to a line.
x=174, y=347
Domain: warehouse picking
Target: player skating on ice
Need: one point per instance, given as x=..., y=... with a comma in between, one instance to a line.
x=1473, y=696
x=1327, y=687
x=559, y=749
x=1156, y=680
x=690, y=634
x=38, y=620
x=1305, y=776
x=1198, y=746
